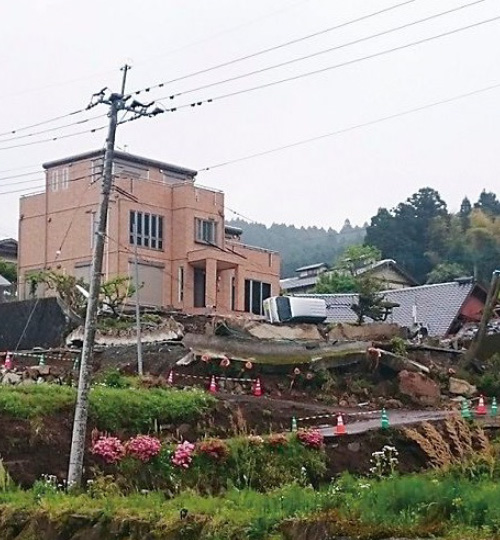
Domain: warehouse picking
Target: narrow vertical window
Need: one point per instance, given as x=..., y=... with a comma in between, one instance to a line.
x=181, y=284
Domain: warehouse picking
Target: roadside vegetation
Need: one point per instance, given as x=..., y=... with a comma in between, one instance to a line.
x=459, y=503
x=111, y=408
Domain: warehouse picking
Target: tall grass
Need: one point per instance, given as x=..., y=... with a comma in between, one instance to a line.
x=110, y=408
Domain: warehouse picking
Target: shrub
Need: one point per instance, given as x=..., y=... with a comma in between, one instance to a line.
x=214, y=449
x=183, y=455
x=313, y=438
x=143, y=447
x=110, y=449
x=277, y=440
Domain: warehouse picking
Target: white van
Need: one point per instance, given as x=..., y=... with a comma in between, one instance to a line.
x=288, y=309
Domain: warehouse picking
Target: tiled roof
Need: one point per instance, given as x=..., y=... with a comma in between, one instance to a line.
x=311, y=267
x=435, y=306
x=289, y=284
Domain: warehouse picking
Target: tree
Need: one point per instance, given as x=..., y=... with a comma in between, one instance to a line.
x=370, y=301
x=403, y=233
x=488, y=203
x=8, y=270
x=335, y=282
x=114, y=292
x=445, y=272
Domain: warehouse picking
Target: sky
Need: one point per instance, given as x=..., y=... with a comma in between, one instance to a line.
x=55, y=54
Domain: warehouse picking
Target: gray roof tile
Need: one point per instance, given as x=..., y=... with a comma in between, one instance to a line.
x=435, y=306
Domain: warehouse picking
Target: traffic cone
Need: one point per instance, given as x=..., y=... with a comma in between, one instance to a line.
x=213, y=387
x=494, y=407
x=170, y=379
x=340, y=428
x=8, y=361
x=257, y=389
x=481, y=407
x=41, y=361
x=465, y=412
x=384, y=420
x=294, y=424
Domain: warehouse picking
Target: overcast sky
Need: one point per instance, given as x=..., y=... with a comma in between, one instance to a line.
x=55, y=53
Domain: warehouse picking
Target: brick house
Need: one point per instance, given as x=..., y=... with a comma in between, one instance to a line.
x=188, y=259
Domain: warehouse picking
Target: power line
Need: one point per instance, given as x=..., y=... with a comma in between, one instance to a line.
x=275, y=47
x=52, y=139
x=355, y=127
x=329, y=68
x=43, y=122
x=329, y=49
x=79, y=122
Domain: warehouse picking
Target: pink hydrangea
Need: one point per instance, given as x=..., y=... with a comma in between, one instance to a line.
x=110, y=449
x=312, y=438
x=183, y=455
x=143, y=447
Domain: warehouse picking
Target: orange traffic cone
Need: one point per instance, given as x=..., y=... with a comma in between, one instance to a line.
x=257, y=389
x=340, y=429
x=481, y=407
x=170, y=379
x=213, y=387
x=8, y=361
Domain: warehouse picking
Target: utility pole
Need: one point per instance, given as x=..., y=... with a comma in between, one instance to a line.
x=116, y=102
x=137, y=310
x=491, y=300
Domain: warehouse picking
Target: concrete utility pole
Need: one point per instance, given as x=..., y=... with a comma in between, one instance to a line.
x=140, y=369
x=116, y=102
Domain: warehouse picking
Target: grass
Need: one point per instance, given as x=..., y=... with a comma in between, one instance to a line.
x=110, y=408
x=446, y=505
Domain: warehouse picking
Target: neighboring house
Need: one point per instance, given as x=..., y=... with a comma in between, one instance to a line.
x=8, y=250
x=305, y=281
x=188, y=259
x=387, y=271
x=443, y=308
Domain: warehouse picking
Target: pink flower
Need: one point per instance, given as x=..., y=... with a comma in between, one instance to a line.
x=143, y=447
x=296, y=371
x=183, y=455
x=248, y=365
x=110, y=449
x=312, y=438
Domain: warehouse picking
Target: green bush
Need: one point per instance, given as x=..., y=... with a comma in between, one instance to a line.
x=111, y=409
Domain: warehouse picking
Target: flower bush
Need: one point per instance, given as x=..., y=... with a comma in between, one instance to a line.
x=255, y=440
x=143, y=447
x=183, y=455
x=110, y=449
x=277, y=440
x=214, y=448
x=312, y=438
x=385, y=462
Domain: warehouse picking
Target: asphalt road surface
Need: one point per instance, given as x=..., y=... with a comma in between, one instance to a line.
x=396, y=418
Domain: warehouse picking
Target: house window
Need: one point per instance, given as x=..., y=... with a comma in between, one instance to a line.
x=206, y=231
x=255, y=293
x=59, y=179
x=180, y=280
x=148, y=228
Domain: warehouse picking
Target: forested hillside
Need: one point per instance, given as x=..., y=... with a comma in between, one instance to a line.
x=435, y=245
x=300, y=246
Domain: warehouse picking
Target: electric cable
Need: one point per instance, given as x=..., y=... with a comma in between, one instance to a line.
x=324, y=51
x=274, y=48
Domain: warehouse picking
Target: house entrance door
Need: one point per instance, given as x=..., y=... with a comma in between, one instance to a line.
x=199, y=287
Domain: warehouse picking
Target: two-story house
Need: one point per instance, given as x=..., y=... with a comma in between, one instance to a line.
x=187, y=258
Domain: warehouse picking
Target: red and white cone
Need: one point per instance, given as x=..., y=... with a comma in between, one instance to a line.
x=170, y=379
x=340, y=428
x=8, y=361
x=481, y=407
x=257, y=389
x=213, y=386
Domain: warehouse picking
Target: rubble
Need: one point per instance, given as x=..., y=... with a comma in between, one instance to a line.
x=419, y=388
x=461, y=387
